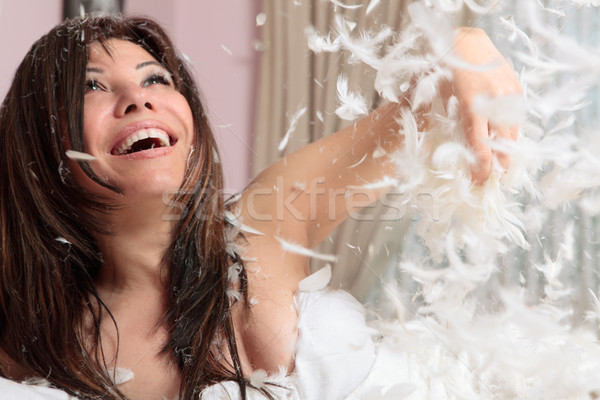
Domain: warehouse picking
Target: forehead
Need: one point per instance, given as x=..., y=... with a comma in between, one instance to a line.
x=117, y=51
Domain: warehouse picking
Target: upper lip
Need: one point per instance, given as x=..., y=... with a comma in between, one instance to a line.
x=136, y=126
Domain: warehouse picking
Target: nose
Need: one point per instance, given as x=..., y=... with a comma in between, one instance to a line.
x=133, y=99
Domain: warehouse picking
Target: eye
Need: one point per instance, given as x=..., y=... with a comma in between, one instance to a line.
x=158, y=78
x=93, y=85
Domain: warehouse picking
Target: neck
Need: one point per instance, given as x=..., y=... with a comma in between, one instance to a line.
x=133, y=252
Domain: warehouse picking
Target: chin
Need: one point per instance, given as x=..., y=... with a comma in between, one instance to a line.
x=151, y=189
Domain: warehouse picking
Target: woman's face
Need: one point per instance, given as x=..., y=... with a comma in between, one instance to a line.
x=136, y=124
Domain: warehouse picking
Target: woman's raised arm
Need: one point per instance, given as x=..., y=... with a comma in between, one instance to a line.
x=305, y=195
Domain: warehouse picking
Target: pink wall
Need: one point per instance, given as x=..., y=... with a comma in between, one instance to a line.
x=201, y=30
x=22, y=23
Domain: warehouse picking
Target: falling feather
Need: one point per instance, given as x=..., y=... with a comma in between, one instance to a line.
x=501, y=111
x=121, y=375
x=226, y=50
x=298, y=249
x=79, y=156
x=318, y=43
x=347, y=6
x=236, y=221
x=372, y=5
x=364, y=157
x=261, y=19
x=385, y=182
x=293, y=123
x=352, y=105
x=258, y=378
x=62, y=240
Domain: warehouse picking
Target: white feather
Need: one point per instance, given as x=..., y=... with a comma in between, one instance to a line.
x=319, y=43
x=385, y=182
x=502, y=111
x=293, y=123
x=352, y=105
x=298, y=249
x=364, y=157
x=347, y=6
x=62, y=240
x=259, y=378
x=372, y=5
x=120, y=375
x=79, y=156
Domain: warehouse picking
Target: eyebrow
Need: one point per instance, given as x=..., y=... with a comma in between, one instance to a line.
x=92, y=69
x=139, y=66
x=146, y=63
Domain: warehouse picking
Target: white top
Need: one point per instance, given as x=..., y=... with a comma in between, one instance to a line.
x=338, y=354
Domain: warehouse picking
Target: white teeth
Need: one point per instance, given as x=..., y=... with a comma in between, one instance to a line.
x=159, y=134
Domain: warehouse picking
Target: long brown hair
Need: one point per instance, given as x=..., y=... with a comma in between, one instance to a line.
x=49, y=256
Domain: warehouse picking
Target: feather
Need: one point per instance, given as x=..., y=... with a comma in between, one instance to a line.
x=261, y=19
x=352, y=105
x=342, y=5
x=318, y=43
x=62, y=240
x=79, y=156
x=385, y=182
x=502, y=111
x=293, y=123
x=236, y=222
x=226, y=50
x=372, y=5
x=120, y=375
x=482, y=9
x=587, y=3
x=298, y=249
x=259, y=378
x=364, y=157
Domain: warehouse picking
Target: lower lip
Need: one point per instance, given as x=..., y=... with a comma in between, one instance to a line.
x=147, y=154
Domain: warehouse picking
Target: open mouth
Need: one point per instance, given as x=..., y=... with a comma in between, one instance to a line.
x=143, y=139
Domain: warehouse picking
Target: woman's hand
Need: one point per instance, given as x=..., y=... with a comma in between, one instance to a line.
x=476, y=48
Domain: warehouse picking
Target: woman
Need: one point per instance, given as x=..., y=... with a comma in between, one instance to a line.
x=103, y=269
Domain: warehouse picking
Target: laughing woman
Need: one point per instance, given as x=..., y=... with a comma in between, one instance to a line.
x=110, y=290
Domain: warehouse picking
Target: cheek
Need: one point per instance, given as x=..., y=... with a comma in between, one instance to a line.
x=95, y=123
x=182, y=109
x=89, y=123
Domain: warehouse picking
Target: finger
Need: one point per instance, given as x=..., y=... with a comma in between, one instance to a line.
x=502, y=133
x=514, y=132
x=476, y=133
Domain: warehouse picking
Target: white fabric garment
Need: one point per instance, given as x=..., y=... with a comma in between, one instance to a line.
x=334, y=353
x=10, y=390
x=340, y=356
